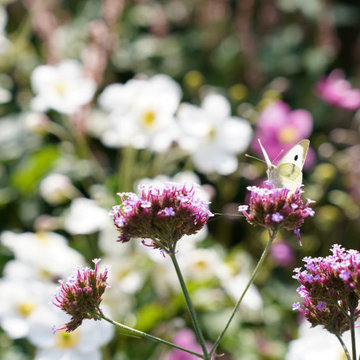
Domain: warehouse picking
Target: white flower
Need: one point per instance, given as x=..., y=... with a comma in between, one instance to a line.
x=235, y=285
x=18, y=300
x=203, y=264
x=83, y=343
x=56, y=188
x=212, y=136
x=62, y=87
x=317, y=343
x=4, y=42
x=141, y=113
x=85, y=217
x=125, y=273
x=42, y=256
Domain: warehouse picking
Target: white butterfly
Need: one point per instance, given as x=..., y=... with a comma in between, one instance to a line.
x=288, y=172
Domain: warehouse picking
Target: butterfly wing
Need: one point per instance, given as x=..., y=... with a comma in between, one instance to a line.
x=266, y=156
x=290, y=166
x=296, y=155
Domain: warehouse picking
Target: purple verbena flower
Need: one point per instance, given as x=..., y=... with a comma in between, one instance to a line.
x=330, y=288
x=80, y=295
x=337, y=91
x=161, y=213
x=276, y=208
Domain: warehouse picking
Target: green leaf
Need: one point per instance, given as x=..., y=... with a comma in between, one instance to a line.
x=28, y=174
x=149, y=315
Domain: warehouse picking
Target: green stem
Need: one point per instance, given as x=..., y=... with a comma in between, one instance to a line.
x=342, y=310
x=266, y=251
x=147, y=336
x=348, y=357
x=190, y=306
x=352, y=331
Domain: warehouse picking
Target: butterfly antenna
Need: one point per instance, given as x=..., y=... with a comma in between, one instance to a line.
x=278, y=155
x=254, y=157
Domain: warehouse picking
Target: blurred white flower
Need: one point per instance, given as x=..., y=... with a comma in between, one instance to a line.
x=5, y=95
x=56, y=189
x=83, y=343
x=18, y=300
x=202, y=265
x=212, y=136
x=85, y=217
x=235, y=285
x=4, y=42
x=142, y=113
x=41, y=256
x=317, y=343
x=62, y=87
x=125, y=272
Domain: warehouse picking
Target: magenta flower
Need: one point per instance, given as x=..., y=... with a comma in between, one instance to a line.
x=276, y=208
x=337, y=91
x=282, y=253
x=330, y=288
x=161, y=213
x=280, y=129
x=186, y=339
x=80, y=295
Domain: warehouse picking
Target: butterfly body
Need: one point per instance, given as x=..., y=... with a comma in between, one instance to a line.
x=288, y=172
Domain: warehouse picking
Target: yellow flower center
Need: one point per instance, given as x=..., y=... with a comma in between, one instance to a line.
x=65, y=340
x=211, y=133
x=201, y=265
x=60, y=88
x=288, y=135
x=148, y=119
x=25, y=308
x=123, y=273
x=42, y=237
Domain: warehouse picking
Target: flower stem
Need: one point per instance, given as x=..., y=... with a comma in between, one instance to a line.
x=147, y=336
x=348, y=357
x=352, y=331
x=272, y=236
x=190, y=307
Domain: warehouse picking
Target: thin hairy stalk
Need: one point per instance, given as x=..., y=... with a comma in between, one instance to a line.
x=148, y=336
x=266, y=251
x=190, y=306
x=352, y=331
x=348, y=357
x=342, y=310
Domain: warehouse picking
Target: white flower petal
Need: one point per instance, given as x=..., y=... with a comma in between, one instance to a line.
x=217, y=106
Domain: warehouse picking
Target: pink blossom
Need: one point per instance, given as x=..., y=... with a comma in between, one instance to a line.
x=282, y=253
x=162, y=213
x=280, y=128
x=329, y=287
x=186, y=339
x=80, y=295
x=337, y=91
x=276, y=208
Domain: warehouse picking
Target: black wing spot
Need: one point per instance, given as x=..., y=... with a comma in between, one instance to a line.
x=296, y=157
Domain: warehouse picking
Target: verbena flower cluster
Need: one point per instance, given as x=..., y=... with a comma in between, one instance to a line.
x=80, y=295
x=276, y=208
x=162, y=213
x=330, y=288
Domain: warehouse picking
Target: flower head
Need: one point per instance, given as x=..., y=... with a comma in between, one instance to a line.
x=337, y=91
x=276, y=208
x=62, y=87
x=162, y=213
x=330, y=288
x=80, y=295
